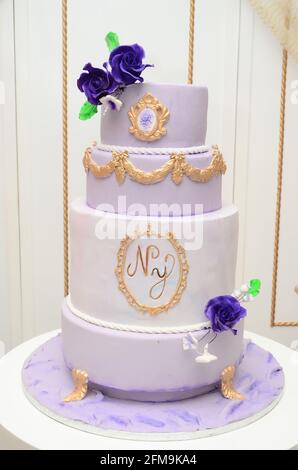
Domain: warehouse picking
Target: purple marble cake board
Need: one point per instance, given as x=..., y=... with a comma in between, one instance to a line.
x=47, y=381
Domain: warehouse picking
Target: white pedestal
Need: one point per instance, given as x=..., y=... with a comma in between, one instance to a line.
x=26, y=427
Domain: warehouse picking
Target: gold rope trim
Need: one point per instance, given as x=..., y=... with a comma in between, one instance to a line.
x=191, y=40
x=65, y=144
x=176, y=165
x=279, y=191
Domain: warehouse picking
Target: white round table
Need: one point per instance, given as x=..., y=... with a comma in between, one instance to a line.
x=21, y=421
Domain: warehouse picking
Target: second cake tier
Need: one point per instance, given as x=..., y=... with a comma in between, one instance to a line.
x=155, y=273
x=167, y=182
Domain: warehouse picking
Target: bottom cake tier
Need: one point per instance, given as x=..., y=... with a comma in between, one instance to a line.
x=146, y=366
x=46, y=381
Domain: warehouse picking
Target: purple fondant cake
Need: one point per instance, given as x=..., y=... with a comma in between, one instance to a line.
x=152, y=314
x=151, y=244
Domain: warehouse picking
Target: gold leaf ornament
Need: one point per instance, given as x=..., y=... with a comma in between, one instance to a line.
x=119, y=160
x=216, y=167
x=179, y=167
x=99, y=171
x=227, y=384
x=80, y=380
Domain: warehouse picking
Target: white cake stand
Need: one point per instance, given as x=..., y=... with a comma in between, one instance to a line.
x=23, y=426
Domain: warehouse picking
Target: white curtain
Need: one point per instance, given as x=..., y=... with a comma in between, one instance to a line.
x=282, y=17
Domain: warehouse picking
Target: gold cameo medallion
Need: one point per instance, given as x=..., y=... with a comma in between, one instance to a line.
x=147, y=118
x=152, y=271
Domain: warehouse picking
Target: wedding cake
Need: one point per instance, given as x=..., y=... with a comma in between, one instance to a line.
x=152, y=340
x=150, y=315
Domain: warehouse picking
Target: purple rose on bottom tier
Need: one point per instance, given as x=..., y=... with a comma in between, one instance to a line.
x=126, y=64
x=224, y=312
x=96, y=83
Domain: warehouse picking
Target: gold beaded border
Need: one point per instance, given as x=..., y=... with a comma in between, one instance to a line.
x=177, y=166
x=184, y=269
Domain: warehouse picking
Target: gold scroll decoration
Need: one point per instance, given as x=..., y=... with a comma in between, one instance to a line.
x=157, y=114
x=227, y=384
x=80, y=380
x=177, y=166
x=121, y=270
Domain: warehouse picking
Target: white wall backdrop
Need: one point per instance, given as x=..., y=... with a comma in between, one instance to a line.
x=255, y=176
x=10, y=274
x=239, y=60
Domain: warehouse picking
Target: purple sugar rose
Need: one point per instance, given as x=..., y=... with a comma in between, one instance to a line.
x=224, y=312
x=126, y=64
x=96, y=83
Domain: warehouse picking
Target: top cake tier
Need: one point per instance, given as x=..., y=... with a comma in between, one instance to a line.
x=158, y=115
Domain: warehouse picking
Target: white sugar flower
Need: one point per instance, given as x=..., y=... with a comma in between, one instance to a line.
x=206, y=357
x=111, y=102
x=189, y=342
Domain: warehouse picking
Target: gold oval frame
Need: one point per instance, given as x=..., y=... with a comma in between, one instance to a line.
x=183, y=264
x=162, y=115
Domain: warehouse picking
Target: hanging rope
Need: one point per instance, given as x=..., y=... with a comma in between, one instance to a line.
x=279, y=189
x=283, y=96
x=65, y=144
x=191, y=40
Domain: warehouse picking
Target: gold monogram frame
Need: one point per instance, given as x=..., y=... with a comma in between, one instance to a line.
x=183, y=272
x=161, y=113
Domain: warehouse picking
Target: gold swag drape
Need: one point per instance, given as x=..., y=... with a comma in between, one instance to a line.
x=282, y=18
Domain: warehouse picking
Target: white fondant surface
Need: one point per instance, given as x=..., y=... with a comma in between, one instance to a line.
x=210, y=242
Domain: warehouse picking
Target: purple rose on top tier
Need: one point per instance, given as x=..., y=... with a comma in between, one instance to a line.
x=224, y=312
x=126, y=64
x=96, y=83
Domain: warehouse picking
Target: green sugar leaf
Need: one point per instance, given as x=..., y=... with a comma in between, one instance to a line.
x=87, y=111
x=254, y=287
x=112, y=40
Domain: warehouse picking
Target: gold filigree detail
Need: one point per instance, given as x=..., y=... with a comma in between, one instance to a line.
x=177, y=166
x=227, y=386
x=183, y=272
x=161, y=115
x=216, y=167
x=80, y=380
x=102, y=171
